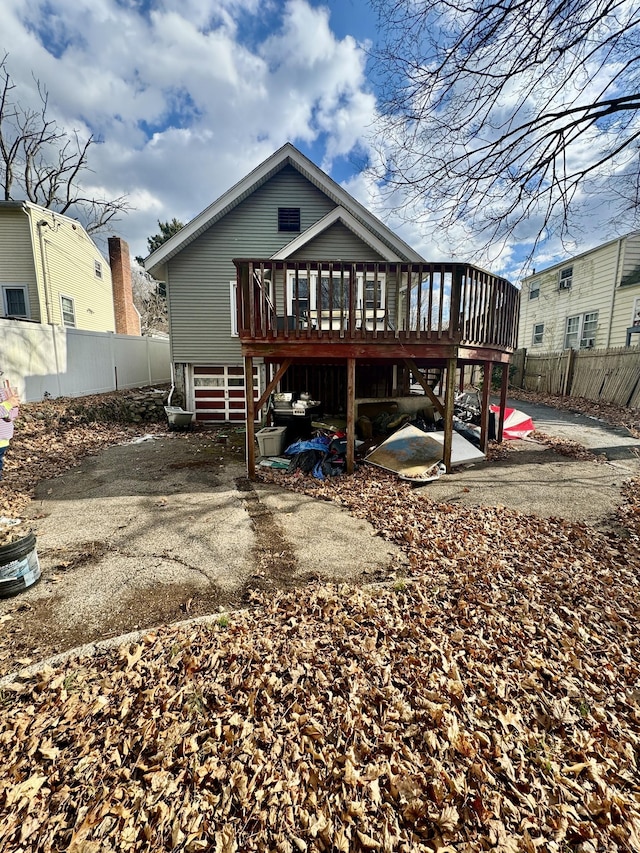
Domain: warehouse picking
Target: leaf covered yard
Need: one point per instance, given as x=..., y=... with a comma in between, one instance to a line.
x=488, y=701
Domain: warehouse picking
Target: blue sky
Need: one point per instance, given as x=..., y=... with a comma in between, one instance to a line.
x=187, y=96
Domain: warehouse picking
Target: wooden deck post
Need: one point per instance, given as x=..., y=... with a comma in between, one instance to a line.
x=251, y=417
x=351, y=414
x=503, y=401
x=484, y=407
x=449, y=399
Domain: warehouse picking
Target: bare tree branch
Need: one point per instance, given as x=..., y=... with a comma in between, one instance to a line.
x=502, y=112
x=43, y=163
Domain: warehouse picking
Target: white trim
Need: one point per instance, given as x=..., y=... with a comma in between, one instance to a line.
x=287, y=155
x=338, y=214
x=24, y=288
x=233, y=302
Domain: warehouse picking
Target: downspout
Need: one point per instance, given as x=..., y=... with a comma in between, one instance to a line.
x=45, y=278
x=45, y=283
x=173, y=384
x=615, y=288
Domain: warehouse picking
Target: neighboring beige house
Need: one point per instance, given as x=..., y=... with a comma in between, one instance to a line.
x=51, y=272
x=589, y=301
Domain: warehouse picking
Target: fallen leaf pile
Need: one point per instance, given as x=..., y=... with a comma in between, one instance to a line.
x=608, y=412
x=489, y=700
x=629, y=512
x=566, y=447
x=10, y=532
x=54, y=435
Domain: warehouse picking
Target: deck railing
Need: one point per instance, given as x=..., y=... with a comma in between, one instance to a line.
x=365, y=301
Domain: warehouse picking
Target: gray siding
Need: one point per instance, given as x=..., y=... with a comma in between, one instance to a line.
x=199, y=276
x=337, y=243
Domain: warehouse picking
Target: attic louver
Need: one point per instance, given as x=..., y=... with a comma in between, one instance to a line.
x=288, y=219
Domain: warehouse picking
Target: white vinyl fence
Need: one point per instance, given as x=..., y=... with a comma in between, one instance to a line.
x=40, y=360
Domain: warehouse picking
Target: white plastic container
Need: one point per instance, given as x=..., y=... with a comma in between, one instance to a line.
x=271, y=440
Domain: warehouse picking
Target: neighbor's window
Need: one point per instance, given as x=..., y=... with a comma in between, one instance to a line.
x=534, y=290
x=15, y=302
x=565, y=279
x=580, y=331
x=589, y=327
x=538, y=333
x=97, y=268
x=68, y=311
x=572, y=332
x=288, y=219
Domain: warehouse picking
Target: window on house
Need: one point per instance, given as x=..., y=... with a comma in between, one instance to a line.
x=589, y=327
x=565, y=278
x=580, y=331
x=15, y=302
x=334, y=293
x=97, y=268
x=538, y=334
x=572, y=333
x=288, y=219
x=635, y=317
x=534, y=290
x=371, y=292
x=298, y=294
x=68, y=310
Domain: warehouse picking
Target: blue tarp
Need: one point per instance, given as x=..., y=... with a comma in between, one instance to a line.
x=320, y=443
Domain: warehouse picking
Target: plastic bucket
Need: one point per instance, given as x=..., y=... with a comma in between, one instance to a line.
x=19, y=566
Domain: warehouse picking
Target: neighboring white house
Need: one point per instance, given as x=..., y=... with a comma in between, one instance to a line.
x=589, y=301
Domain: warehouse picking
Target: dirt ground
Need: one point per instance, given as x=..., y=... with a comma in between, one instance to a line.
x=168, y=528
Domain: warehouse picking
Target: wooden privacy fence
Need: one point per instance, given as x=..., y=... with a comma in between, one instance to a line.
x=610, y=375
x=605, y=375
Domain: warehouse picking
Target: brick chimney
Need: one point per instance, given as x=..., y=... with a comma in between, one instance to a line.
x=127, y=318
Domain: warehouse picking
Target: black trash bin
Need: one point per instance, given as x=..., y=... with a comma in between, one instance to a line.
x=19, y=566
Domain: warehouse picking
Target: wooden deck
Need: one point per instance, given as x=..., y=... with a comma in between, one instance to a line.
x=416, y=315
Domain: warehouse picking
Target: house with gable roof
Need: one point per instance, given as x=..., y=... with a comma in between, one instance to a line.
x=52, y=273
x=287, y=281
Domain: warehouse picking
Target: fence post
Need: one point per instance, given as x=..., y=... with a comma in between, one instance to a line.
x=568, y=373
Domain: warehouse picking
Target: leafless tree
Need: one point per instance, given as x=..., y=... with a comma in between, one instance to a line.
x=509, y=117
x=43, y=163
x=150, y=299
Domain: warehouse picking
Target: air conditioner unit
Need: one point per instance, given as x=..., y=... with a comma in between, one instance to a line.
x=565, y=285
x=590, y=343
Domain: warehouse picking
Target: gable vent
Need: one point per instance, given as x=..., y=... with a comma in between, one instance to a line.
x=288, y=219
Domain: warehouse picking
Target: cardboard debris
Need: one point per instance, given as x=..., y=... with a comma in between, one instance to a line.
x=275, y=462
x=413, y=453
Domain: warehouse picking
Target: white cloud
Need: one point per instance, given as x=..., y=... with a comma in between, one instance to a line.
x=191, y=95
x=183, y=104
